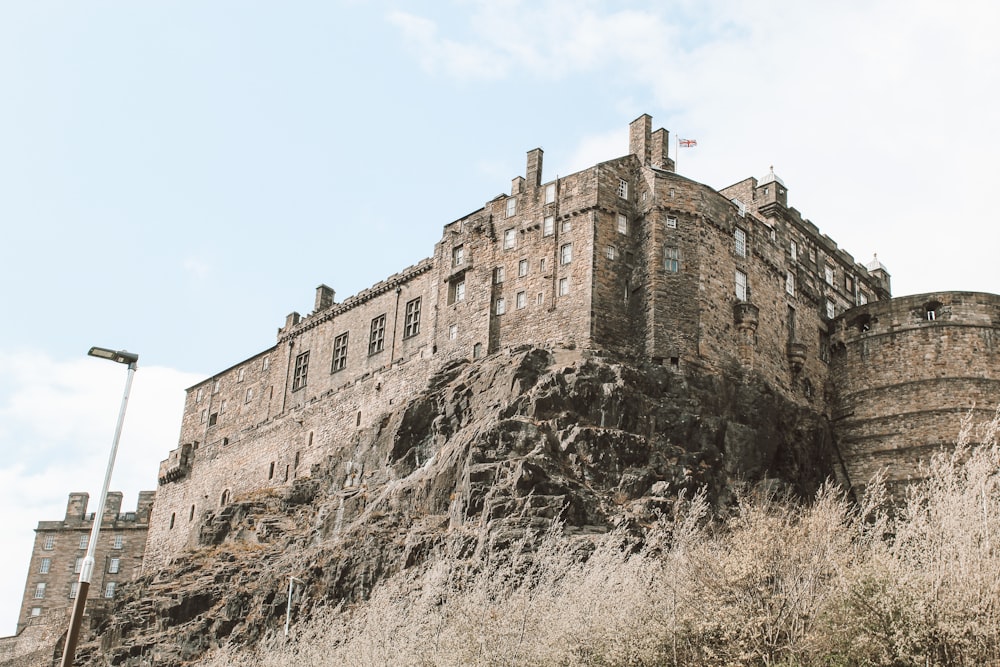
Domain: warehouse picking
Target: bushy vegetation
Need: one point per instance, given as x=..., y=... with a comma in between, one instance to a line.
x=831, y=582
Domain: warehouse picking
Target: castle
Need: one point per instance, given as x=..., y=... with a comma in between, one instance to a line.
x=627, y=256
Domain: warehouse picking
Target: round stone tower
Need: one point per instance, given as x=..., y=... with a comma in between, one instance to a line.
x=904, y=372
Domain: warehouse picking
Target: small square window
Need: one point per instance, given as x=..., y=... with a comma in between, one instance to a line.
x=509, y=239
x=49, y=542
x=623, y=188
x=521, y=300
x=501, y=306
x=119, y=542
x=566, y=225
x=550, y=193
x=563, y=286
x=548, y=225
x=622, y=224
x=411, y=321
x=36, y=611
x=511, y=207
x=456, y=291
x=109, y=590
x=671, y=223
x=611, y=252
x=566, y=253
x=114, y=565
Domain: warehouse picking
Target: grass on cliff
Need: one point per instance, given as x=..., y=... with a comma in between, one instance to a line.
x=778, y=583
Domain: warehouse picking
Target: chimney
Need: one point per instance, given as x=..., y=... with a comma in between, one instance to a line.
x=76, y=508
x=534, y=171
x=638, y=137
x=661, y=150
x=112, y=506
x=145, y=506
x=517, y=186
x=324, y=298
x=292, y=319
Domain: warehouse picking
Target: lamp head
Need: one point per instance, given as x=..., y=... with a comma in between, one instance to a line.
x=119, y=356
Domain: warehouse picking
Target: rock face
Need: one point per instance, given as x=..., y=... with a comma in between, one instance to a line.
x=487, y=451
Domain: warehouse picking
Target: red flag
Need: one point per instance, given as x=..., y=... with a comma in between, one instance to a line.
x=687, y=143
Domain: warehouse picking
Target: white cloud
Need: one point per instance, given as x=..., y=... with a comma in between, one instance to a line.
x=196, y=267
x=58, y=421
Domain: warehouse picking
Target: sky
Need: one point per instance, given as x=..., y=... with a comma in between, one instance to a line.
x=178, y=176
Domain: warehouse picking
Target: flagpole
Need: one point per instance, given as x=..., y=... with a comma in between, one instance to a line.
x=677, y=155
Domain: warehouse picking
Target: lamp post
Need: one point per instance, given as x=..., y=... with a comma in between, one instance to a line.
x=69, y=652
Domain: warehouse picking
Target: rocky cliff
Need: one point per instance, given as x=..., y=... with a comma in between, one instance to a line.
x=489, y=450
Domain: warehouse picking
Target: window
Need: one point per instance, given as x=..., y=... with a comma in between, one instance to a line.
x=249, y=395
x=793, y=249
x=119, y=541
x=222, y=406
x=453, y=332
x=848, y=284
x=671, y=223
x=77, y=566
x=477, y=350
x=36, y=611
x=201, y=392
x=84, y=541
x=241, y=375
x=672, y=259
x=622, y=224
x=522, y=268
x=565, y=226
x=550, y=193
x=501, y=306
x=73, y=588
x=204, y=415
x=301, y=373
x=265, y=364
x=213, y=419
x=741, y=285
x=270, y=471
x=411, y=324
x=509, y=239
x=49, y=542
x=43, y=567
x=521, y=300
x=541, y=265
x=931, y=314
x=611, y=252
x=740, y=236
x=39, y=591
x=566, y=253
x=114, y=565
x=173, y=517
x=812, y=254
x=456, y=291
x=498, y=275
x=790, y=283
x=458, y=255
x=623, y=189
x=376, y=340
x=511, y=207
x=563, y=286
x=540, y=298
x=828, y=274
x=831, y=310
x=339, y=353
x=109, y=590
x=548, y=225
x=215, y=387
x=862, y=298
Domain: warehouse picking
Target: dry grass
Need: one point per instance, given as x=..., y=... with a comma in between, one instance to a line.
x=778, y=583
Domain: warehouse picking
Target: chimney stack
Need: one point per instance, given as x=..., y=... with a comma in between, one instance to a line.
x=324, y=298
x=639, y=137
x=534, y=171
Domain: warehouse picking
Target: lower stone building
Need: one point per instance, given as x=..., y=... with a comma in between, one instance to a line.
x=59, y=549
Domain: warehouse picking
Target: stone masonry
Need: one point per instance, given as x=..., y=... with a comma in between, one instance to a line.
x=626, y=256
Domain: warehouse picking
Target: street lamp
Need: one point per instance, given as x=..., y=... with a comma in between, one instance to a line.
x=69, y=652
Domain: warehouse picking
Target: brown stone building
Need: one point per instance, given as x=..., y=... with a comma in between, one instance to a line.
x=60, y=546
x=626, y=256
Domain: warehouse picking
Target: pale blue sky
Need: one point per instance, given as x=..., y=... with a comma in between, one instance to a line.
x=175, y=177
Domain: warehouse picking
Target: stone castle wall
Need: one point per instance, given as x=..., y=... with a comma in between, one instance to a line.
x=626, y=256
x=906, y=371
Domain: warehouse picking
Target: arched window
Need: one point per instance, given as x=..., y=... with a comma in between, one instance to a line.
x=225, y=498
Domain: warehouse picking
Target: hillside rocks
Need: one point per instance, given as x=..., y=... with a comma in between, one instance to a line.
x=489, y=450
